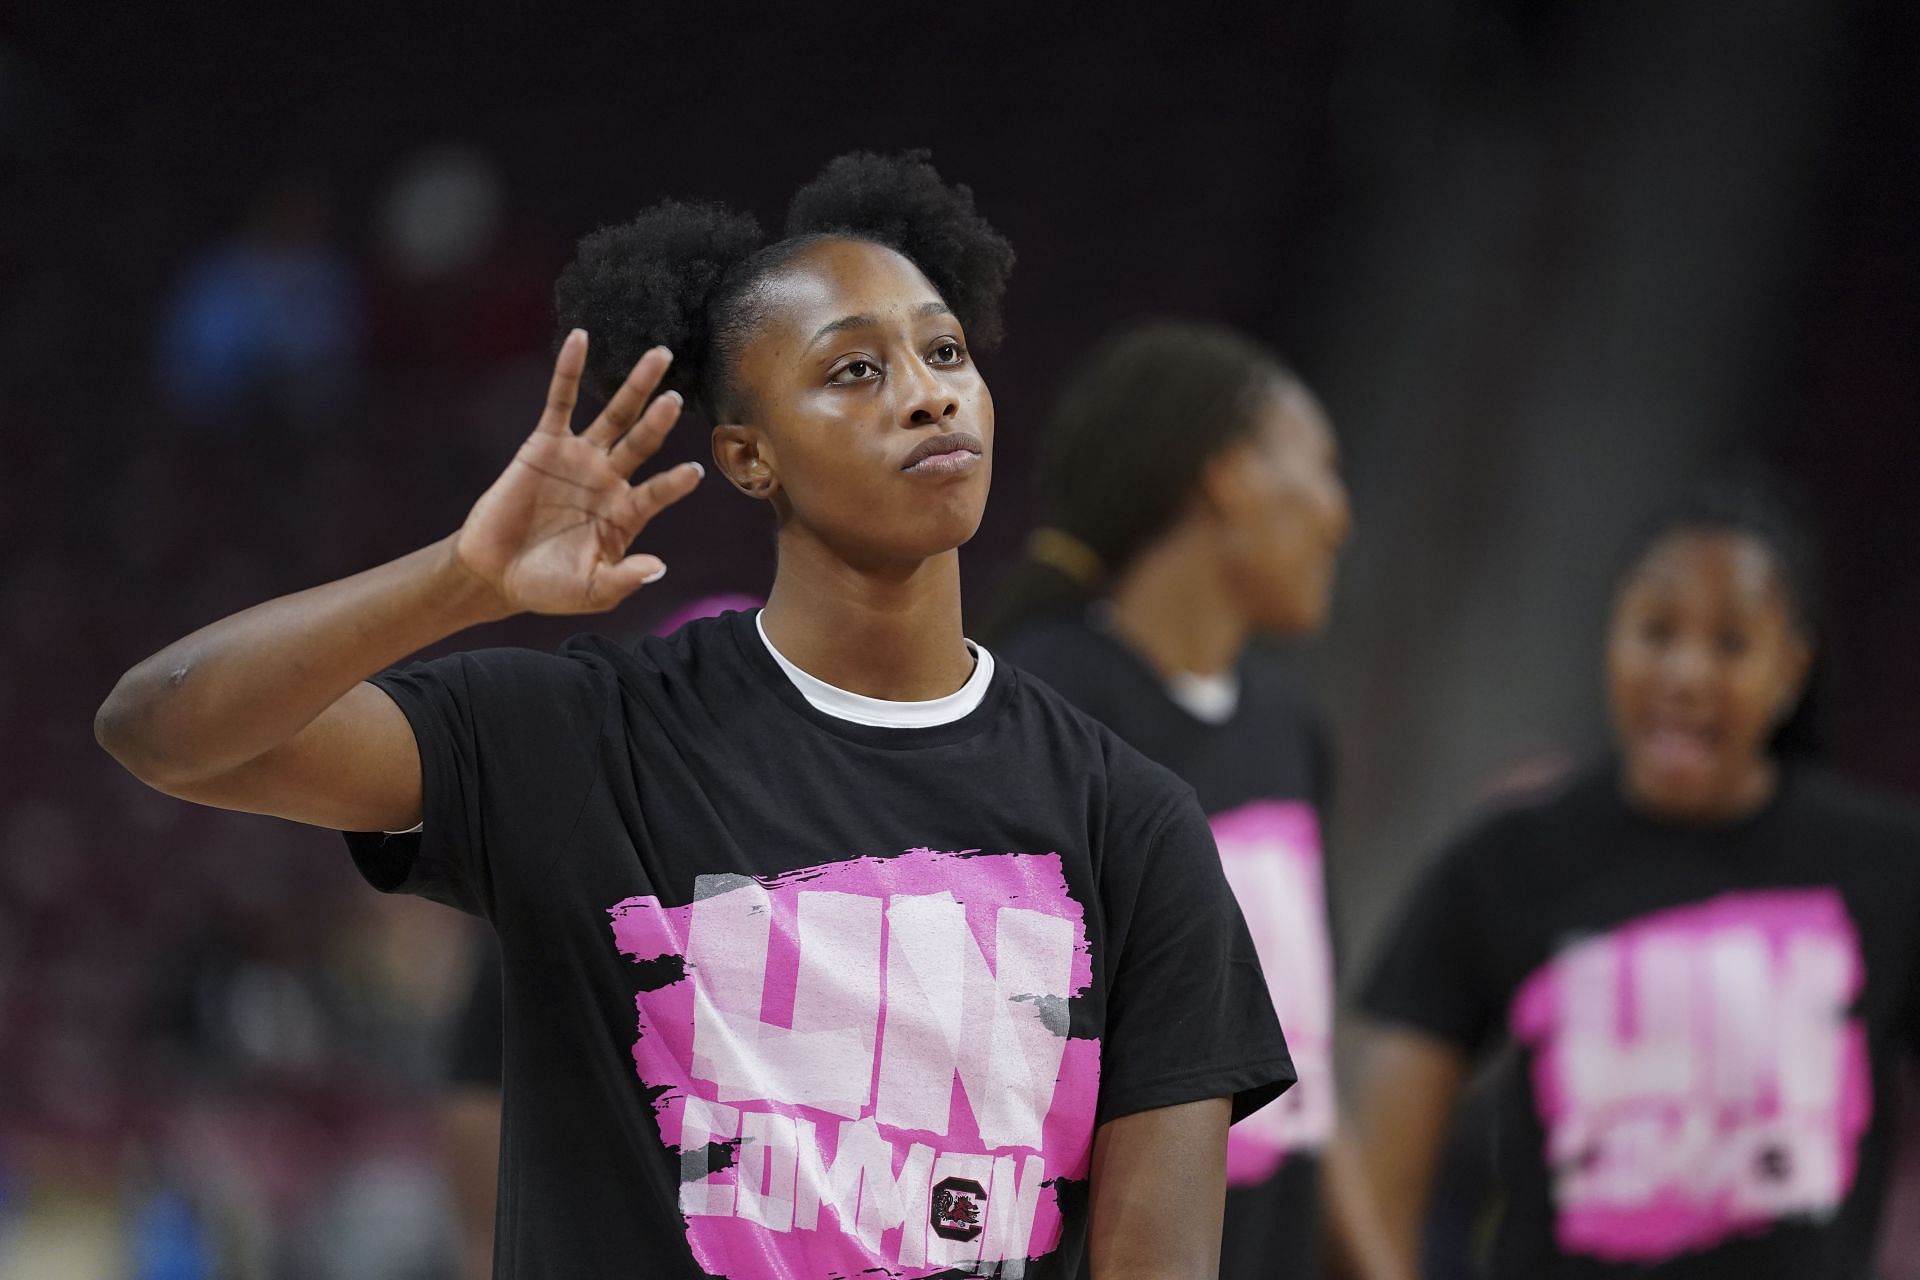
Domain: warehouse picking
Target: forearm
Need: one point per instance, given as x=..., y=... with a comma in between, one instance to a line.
x=1360, y=1248
x=1159, y=1187
x=232, y=691
x=1407, y=1096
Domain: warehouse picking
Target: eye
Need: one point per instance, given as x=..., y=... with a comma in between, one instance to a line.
x=1732, y=644
x=947, y=351
x=854, y=371
x=1656, y=631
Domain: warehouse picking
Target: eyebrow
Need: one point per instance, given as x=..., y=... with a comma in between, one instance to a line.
x=844, y=323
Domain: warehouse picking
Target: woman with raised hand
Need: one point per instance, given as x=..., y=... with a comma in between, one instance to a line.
x=830, y=945
x=1191, y=504
x=1700, y=953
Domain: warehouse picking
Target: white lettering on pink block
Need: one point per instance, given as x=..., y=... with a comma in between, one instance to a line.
x=702, y=1124
x=825, y=1058
x=1270, y=851
x=950, y=1016
x=886, y=1040
x=1698, y=1073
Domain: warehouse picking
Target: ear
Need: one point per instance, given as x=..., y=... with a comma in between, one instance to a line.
x=744, y=456
x=1223, y=486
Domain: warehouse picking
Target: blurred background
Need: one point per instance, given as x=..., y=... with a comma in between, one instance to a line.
x=275, y=306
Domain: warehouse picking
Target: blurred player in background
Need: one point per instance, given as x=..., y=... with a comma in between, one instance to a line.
x=719, y=864
x=1192, y=502
x=1702, y=952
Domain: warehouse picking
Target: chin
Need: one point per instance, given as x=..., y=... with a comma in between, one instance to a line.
x=930, y=534
x=1679, y=796
x=951, y=535
x=944, y=526
x=1294, y=617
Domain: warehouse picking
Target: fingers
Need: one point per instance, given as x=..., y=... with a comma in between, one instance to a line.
x=613, y=583
x=624, y=409
x=656, y=493
x=640, y=442
x=565, y=387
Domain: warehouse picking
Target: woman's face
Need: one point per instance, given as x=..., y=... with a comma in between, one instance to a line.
x=869, y=426
x=1283, y=514
x=1703, y=662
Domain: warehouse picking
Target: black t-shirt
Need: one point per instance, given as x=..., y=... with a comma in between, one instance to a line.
x=792, y=997
x=1705, y=1023
x=1261, y=775
x=474, y=1048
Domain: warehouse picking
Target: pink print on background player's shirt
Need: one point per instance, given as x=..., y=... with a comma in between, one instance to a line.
x=1271, y=853
x=1697, y=1072
x=875, y=1055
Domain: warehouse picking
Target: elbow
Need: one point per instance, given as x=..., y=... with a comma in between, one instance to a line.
x=115, y=729
x=123, y=726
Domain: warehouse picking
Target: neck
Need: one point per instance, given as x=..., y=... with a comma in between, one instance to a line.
x=1173, y=607
x=884, y=633
x=1739, y=800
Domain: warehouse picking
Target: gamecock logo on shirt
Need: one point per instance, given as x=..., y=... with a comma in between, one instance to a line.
x=956, y=1208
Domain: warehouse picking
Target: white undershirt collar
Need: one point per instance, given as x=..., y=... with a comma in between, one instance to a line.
x=1210, y=699
x=857, y=708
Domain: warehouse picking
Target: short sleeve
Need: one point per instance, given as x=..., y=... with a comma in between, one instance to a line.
x=509, y=745
x=1188, y=1016
x=1430, y=973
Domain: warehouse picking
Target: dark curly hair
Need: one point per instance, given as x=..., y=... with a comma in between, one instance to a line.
x=1753, y=502
x=684, y=276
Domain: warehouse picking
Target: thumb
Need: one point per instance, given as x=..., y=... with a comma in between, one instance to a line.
x=615, y=582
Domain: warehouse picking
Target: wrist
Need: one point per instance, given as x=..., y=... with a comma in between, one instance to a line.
x=465, y=598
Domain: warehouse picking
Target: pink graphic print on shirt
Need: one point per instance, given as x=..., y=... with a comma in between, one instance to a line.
x=1697, y=1073
x=1271, y=853
x=865, y=1065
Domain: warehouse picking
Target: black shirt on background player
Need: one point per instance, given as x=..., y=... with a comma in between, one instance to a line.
x=1257, y=760
x=1707, y=1024
x=791, y=996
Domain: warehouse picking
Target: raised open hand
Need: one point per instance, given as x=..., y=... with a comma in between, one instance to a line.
x=551, y=534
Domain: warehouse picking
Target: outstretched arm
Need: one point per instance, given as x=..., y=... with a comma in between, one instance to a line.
x=266, y=711
x=1159, y=1192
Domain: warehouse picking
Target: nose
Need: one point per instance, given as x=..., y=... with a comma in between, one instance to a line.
x=927, y=400
x=1340, y=515
x=1687, y=668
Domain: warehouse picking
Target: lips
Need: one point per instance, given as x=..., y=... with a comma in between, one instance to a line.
x=949, y=451
x=1679, y=748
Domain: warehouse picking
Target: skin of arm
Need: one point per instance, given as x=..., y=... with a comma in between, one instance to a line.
x=1410, y=1084
x=266, y=711
x=1352, y=1219
x=1159, y=1193
x=470, y=1157
x=1350, y=1211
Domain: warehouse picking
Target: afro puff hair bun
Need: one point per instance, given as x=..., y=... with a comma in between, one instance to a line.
x=900, y=201
x=646, y=283
x=679, y=275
